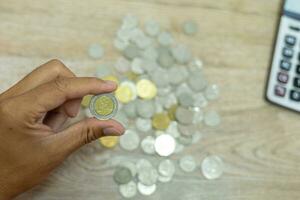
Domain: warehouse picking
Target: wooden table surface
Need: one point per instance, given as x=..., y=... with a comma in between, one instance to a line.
x=259, y=143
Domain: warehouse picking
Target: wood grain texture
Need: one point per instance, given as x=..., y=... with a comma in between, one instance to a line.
x=259, y=142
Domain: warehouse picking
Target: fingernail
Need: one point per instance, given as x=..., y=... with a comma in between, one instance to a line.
x=112, y=84
x=110, y=132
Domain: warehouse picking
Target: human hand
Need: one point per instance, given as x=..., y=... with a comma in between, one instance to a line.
x=32, y=113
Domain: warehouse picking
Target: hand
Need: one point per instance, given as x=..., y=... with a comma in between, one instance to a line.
x=31, y=115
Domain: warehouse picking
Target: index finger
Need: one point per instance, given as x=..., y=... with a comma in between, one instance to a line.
x=53, y=94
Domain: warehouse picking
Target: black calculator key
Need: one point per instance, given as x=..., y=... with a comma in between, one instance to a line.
x=285, y=65
x=287, y=52
x=298, y=69
x=297, y=82
x=280, y=91
x=283, y=77
x=290, y=40
x=294, y=95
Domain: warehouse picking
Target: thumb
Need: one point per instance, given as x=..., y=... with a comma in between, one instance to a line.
x=83, y=133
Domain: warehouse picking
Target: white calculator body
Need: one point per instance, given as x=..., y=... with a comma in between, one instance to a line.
x=284, y=79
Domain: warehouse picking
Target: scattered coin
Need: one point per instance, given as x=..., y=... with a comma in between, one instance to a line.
x=146, y=190
x=147, y=145
x=130, y=140
x=146, y=89
x=190, y=27
x=161, y=121
x=109, y=141
x=103, y=106
x=122, y=175
x=212, y=118
x=184, y=116
x=152, y=28
x=166, y=168
x=212, y=167
x=131, y=52
x=130, y=109
x=145, y=108
x=143, y=125
x=128, y=190
x=148, y=176
x=126, y=92
x=165, y=38
x=187, y=163
x=212, y=92
x=164, y=145
x=130, y=165
x=142, y=164
x=165, y=179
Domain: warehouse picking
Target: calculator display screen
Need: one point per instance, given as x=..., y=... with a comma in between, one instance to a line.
x=292, y=6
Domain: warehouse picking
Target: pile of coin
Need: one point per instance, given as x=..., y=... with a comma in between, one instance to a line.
x=162, y=96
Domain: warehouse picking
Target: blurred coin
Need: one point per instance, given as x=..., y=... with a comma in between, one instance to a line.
x=152, y=28
x=165, y=60
x=129, y=21
x=164, y=145
x=165, y=179
x=145, y=109
x=183, y=88
x=143, y=125
x=212, y=167
x=181, y=54
x=130, y=165
x=198, y=116
x=200, y=100
x=147, y=145
x=86, y=101
x=172, y=111
x=165, y=38
x=126, y=92
x=130, y=109
x=212, y=92
x=122, y=118
x=146, y=190
x=122, y=65
x=184, y=115
x=103, y=106
x=190, y=27
x=131, y=52
x=178, y=74
x=173, y=129
x=196, y=137
x=150, y=53
x=179, y=148
x=187, y=163
x=95, y=51
x=136, y=66
x=186, y=99
x=130, y=140
x=166, y=168
x=146, y=89
x=160, y=77
x=184, y=140
x=122, y=175
x=160, y=121
x=148, y=176
x=187, y=130
x=109, y=141
x=128, y=190
x=197, y=81
x=212, y=118
x=141, y=164
x=120, y=44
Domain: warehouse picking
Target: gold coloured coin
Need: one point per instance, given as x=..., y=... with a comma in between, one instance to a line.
x=109, y=141
x=146, y=89
x=86, y=100
x=104, y=105
x=161, y=121
x=131, y=75
x=126, y=92
x=111, y=78
x=172, y=112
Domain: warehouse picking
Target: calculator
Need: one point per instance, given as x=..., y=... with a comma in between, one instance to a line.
x=284, y=79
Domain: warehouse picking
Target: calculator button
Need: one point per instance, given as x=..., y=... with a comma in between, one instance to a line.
x=280, y=91
x=286, y=52
x=285, y=65
x=297, y=82
x=294, y=95
x=290, y=40
x=298, y=69
x=282, y=77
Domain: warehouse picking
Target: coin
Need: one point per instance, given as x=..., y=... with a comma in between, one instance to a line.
x=146, y=89
x=142, y=163
x=164, y=145
x=160, y=77
x=122, y=175
x=181, y=54
x=186, y=99
x=212, y=118
x=128, y=190
x=190, y=27
x=130, y=140
x=146, y=190
x=212, y=92
x=184, y=115
x=86, y=101
x=212, y=167
x=129, y=21
x=103, y=106
x=200, y=100
x=172, y=112
x=152, y=28
x=109, y=141
x=126, y=92
x=145, y=109
x=150, y=54
x=187, y=163
x=131, y=52
x=160, y=121
x=95, y=51
x=130, y=165
x=130, y=75
x=148, y=176
x=196, y=137
x=183, y=88
x=197, y=81
x=173, y=129
x=165, y=38
x=130, y=109
x=136, y=66
x=198, y=116
x=147, y=145
x=166, y=168
x=178, y=74
x=165, y=60
x=165, y=179
x=143, y=125
x=122, y=65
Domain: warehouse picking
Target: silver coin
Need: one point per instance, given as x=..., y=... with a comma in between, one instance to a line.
x=165, y=60
x=136, y=66
x=122, y=118
x=166, y=168
x=148, y=176
x=165, y=179
x=187, y=130
x=150, y=66
x=130, y=109
x=178, y=74
x=130, y=140
x=122, y=65
x=130, y=21
x=160, y=77
x=158, y=106
x=212, y=92
x=190, y=27
x=150, y=53
x=181, y=54
x=143, y=125
x=199, y=100
x=124, y=34
x=147, y=145
x=122, y=175
x=130, y=165
x=96, y=51
x=152, y=28
x=145, y=108
x=163, y=91
x=184, y=116
x=196, y=137
x=146, y=190
x=128, y=190
x=197, y=81
x=164, y=145
x=212, y=118
x=187, y=163
x=186, y=99
x=179, y=148
x=173, y=129
x=198, y=116
x=141, y=164
x=169, y=100
x=120, y=44
x=195, y=64
x=165, y=38
x=183, y=88
x=131, y=52
x=184, y=140
x=212, y=167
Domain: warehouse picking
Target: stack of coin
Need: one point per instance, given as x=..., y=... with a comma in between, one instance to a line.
x=162, y=95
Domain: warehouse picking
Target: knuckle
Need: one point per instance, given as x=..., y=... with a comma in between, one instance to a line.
x=61, y=83
x=88, y=133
